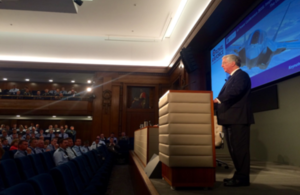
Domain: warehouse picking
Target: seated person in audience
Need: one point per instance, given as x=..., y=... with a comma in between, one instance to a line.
x=50, y=135
x=49, y=128
x=52, y=92
x=60, y=156
x=97, y=143
x=66, y=128
x=30, y=127
x=102, y=137
x=25, y=128
x=40, y=148
x=33, y=130
x=5, y=144
x=21, y=129
x=59, y=96
x=32, y=145
x=57, y=92
x=63, y=91
x=7, y=128
x=57, y=135
x=52, y=146
x=46, y=144
x=13, y=90
x=2, y=127
x=14, y=127
x=112, y=135
x=71, y=132
x=41, y=133
x=112, y=146
x=62, y=134
x=38, y=95
x=86, y=147
x=37, y=127
x=69, y=150
x=41, y=138
x=26, y=133
x=27, y=92
x=72, y=92
x=14, y=131
x=32, y=135
x=123, y=136
x=46, y=93
x=23, y=149
x=18, y=95
x=4, y=135
x=27, y=138
x=14, y=136
x=56, y=129
x=14, y=144
x=20, y=136
x=77, y=149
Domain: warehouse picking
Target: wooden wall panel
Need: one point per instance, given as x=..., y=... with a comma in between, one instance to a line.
x=115, y=103
x=135, y=117
x=45, y=107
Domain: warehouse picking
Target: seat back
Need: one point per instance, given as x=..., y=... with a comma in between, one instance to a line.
x=87, y=167
x=78, y=180
x=37, y=163
x=43, y=184
x=97, y=157
x=25, y=166
x=23, y=189
x=80, y=166
x=90, y=159
x=63, y=180
x=10, y=173
x=47, y=159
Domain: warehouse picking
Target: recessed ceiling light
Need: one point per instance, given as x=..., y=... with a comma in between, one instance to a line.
x=89, y=89
x=27, y=80
x=73, y=81
x=89, y=117
x=53, y=116
x=4, y=79
x=18, y=115
x=89, y=81
x=50, y=80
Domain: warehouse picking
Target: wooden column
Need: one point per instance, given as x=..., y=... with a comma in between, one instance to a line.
x=97, y=107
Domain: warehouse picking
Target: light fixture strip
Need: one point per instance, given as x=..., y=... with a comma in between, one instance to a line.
x=175, y=18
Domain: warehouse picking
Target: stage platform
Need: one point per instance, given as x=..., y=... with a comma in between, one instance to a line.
x=265, y=178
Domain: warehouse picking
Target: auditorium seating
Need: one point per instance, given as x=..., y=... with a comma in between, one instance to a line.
x=36, y=174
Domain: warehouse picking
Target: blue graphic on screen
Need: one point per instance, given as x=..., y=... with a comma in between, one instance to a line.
x=267, y=41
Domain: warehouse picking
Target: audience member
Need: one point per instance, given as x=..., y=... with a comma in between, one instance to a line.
x=57, y=92
x=13, y=90
x=14, y=136
x=71, y=132
x=52, y=92
x=49, y=128
x=52, y=145
x=41, y=133
x=62, y=133
x=77, y=149
x=60, y=156
x=46, y=93
x=32, y=145
x=23, y=149
x=66, y=128
x=14, y=144
x=112, y=135
x=69, y=150
x=46, y=144
x=97, y=143
x=27, y=138
x=38, y=95
x=59, y=96
x=40, y=147
x=5, y=144
x=2, y=127
x=50, y=135
x=86, y=147
x=72, y=92
x=56, y=129
x=21, y=129
x=37, y=127
x=4, y=135
x=30, y=127
x=123, y=136
x=63, y=91
x=27, y=92
x=32, y=135
x=26, y=133
x=14, y=127
x=102, y=137
x=20, y=136
x=112, y=146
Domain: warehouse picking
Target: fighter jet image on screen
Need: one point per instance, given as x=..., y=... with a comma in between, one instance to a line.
x=258, y=49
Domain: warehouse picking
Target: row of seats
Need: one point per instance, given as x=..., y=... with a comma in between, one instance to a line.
x=36, y=174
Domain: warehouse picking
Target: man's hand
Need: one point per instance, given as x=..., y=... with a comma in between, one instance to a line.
x=29, y=151
x=216, y=101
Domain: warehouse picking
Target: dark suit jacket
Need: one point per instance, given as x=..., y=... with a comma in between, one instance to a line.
x=235, y=107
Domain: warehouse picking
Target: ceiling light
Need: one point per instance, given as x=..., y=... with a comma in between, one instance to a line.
x=73, y=81
x=53, y=116
x=4, y=79
x=89, y=81
x=27, y=80
x=89, y=117
x=18, y=115
x=89, y=89
x=50, y=80
x=175, y=18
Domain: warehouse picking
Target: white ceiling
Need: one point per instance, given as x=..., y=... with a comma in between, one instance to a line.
x=109, y=32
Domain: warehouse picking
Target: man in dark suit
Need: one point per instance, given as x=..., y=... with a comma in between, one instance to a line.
x=235, y=115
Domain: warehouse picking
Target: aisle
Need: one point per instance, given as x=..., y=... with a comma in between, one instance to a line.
x=120, y=182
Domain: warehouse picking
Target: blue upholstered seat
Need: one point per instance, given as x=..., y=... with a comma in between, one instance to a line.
x=37, y=163
x=47, y=159
x=26, y=169
x=43, y=184
x=22, y=189
x=9, y=172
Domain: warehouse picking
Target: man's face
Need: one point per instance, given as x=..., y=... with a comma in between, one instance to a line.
x=78, y=142
x=123, y=134
x=72, y=128
x=70, y=142
x=55, y=126
x=4, y=134
x=23, y=146
x=111, y=140
x=18, y=92
x=27, y=136
x=102, y=135
x=33, y=143
x=64, y=144
x=5, y=142
x=41, y=132
x=227, y=66
x=15, y=126
x=46, y=90
x=41, y=144
x=54, y=142
x=37, y=125
x=50, y=131
x=97, y=140
x=66, y=126
x=62, y=130
x=38, y=93
x=14, y=136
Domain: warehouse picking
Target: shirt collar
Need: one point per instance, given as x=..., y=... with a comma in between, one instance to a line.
x=234, y=71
